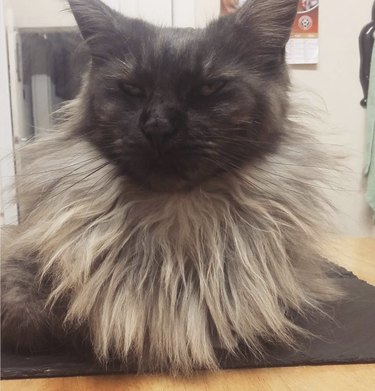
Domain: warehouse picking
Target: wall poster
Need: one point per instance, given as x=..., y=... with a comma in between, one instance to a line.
x=303, y=46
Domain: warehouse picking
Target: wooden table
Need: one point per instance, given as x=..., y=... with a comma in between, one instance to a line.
x=357, y=255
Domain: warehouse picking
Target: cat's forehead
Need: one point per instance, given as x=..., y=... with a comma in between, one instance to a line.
x=173, y=50
x=170, y=53
x=179, y=40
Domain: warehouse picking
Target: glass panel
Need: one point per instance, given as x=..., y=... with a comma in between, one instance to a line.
x=45, y=66
x=51, y=74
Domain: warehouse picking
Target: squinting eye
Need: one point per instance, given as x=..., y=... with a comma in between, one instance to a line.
x=131, y=89
x=211, y=87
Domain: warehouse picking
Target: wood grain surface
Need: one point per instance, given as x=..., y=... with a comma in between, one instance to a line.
x=327, y=378
x=357, y=255
x=354, y=254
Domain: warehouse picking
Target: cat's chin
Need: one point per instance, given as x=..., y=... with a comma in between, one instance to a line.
x=175, y=177
x=169, y=184
x=166, y=185
x=172, y=182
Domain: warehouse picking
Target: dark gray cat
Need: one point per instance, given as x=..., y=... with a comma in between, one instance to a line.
x=171, y=212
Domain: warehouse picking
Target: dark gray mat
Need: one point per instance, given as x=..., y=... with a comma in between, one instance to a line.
x=346, y=336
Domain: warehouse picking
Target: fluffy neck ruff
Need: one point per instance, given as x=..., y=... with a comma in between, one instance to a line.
x=166, y=277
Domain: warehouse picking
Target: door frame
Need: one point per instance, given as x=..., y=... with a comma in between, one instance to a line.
x=8, y=206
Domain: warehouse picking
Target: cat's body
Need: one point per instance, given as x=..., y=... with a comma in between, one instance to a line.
x=197, y=228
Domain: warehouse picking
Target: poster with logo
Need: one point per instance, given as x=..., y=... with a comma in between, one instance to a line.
x=303, y=46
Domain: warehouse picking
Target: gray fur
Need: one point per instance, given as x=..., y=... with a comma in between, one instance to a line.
x=162, y=263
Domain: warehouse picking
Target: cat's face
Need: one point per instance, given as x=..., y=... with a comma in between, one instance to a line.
x=174, y=107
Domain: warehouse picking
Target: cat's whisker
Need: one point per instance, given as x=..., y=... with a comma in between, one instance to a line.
x=36, y=173
x=229, y=161
x=85, y=175
x=305, y=183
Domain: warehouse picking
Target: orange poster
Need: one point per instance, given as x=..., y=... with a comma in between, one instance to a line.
x=303, y=47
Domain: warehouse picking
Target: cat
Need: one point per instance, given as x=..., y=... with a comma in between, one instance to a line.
x=176, y=209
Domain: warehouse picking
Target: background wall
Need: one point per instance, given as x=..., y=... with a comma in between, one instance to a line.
x=34, y=14
x=336, y=80
x=183, y=13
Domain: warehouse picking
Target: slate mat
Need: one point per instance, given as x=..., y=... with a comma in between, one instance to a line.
x=346, y=336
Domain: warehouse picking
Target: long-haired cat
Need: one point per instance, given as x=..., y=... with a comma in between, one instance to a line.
x=175, y=209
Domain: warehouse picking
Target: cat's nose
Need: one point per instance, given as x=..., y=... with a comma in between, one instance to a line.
x=158, y=132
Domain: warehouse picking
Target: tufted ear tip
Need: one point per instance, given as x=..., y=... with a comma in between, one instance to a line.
x=272, y=18
x=100, y=27
x=92, y=16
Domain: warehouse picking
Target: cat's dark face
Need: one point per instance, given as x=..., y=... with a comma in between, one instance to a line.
x=174, y=107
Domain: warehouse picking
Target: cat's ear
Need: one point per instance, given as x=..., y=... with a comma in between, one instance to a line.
x=270, y=21
x=99, y=26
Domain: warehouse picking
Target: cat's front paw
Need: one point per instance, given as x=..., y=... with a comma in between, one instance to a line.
x=25, y=323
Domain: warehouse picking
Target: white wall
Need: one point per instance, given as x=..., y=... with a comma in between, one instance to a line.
x=336, y=80
x=53, y=13
x=40, y=13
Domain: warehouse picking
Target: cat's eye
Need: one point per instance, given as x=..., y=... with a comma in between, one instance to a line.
x=211, y=88
x=131, y=89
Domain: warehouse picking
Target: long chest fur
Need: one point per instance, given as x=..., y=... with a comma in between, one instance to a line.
x=224, y=262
